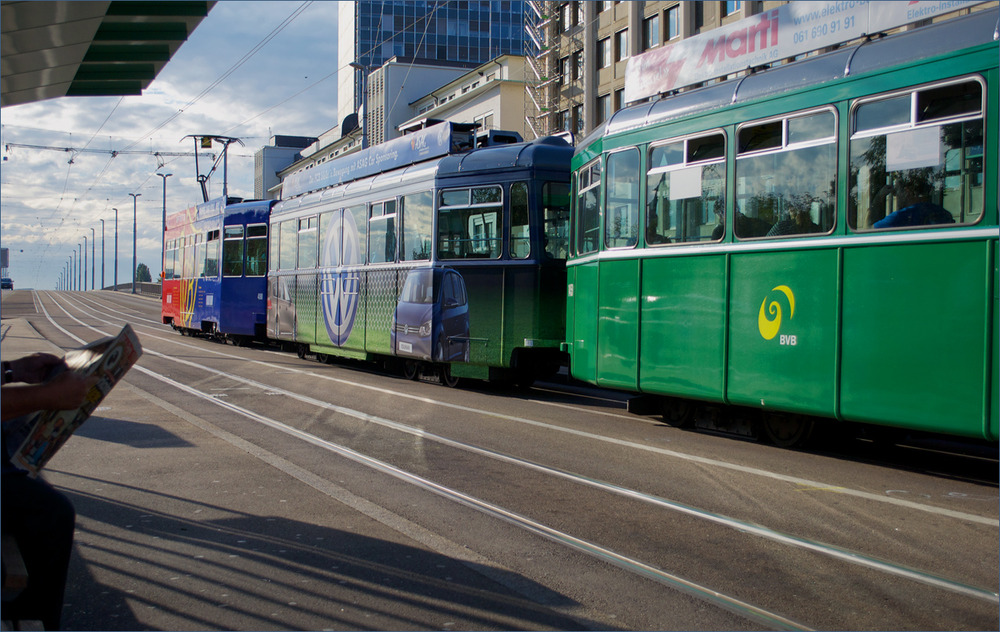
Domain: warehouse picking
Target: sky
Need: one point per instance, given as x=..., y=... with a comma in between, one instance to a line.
x=51, y=199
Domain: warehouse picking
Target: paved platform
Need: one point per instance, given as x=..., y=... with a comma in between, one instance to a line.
x=179, y=527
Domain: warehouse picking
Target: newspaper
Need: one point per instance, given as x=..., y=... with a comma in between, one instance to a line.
x=33, y=439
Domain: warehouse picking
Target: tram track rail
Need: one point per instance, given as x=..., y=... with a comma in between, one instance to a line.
x=760, y=615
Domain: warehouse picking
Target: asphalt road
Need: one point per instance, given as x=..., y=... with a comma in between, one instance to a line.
x=244, y=488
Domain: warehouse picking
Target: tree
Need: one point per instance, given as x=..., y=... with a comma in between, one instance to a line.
x=142, y=274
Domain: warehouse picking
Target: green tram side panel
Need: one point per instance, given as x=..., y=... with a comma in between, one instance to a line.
x=682, y=330
x=520, y=309
x=994, y=349
x=914, y=336
x=583, y=297
x=484, y=287
x=782, y=331
x=306, y=307
x=618, y=324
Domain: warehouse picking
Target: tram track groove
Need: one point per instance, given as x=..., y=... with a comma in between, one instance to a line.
x=741, y=526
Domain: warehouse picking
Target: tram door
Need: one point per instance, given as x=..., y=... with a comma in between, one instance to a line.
x=618, y=278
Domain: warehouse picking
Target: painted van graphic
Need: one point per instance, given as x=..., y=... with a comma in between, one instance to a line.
x=431, y=320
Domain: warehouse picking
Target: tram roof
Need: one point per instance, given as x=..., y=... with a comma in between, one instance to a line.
x=923, y=43
x=549, y=152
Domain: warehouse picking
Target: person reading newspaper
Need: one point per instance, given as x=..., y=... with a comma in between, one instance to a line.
x=39, y=517
x=54, y=397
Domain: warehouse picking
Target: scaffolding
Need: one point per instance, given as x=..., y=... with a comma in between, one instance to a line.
x=541, y=81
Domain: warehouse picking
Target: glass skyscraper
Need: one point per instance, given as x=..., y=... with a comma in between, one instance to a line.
x=371, y=32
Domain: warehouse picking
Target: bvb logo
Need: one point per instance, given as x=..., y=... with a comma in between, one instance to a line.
x=769, y=317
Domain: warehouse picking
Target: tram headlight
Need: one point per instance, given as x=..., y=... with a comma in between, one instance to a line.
x=425, y=329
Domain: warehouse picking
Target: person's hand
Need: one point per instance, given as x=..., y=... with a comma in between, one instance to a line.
x=68, y=390
x=35, y=368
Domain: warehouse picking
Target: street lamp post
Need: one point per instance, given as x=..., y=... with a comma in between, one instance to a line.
x=116, y=248
x=83, y=272
x=79, y=268
x=72, y=268
x=93, y=257
x=103, y=257
x=135, y=197
x=163, y=232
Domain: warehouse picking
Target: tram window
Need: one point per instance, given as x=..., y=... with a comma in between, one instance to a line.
x=884, y=113
x=287, y=244
x=791, y=190
x=520, y=242
x=355, y=247
x=232, y=251
x=711, y=147
x=189, y=254
x=588, y=219
x=761, y=137
x=815, y=127
x=921, y=177
x=212, y=245
x=555, y=211
x=469, y=223
x=418, y=213
x=621, y=204
x=382, y=231
x=685, y=191
x=199, y=255
x=272, y=250
x=170, y=260
x=949, y=101
x=329, y=254
x=256, y=250
x=308, y=243
x=917, y=174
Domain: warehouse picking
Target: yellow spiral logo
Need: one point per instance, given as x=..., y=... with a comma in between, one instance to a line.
x=769, y=317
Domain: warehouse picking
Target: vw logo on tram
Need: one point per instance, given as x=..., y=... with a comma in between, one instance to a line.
x=339, y=287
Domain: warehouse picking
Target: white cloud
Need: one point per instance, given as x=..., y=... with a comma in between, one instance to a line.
x=50, y=203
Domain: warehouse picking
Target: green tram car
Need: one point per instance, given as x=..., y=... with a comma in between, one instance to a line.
x=427, y=255
x=818, y=240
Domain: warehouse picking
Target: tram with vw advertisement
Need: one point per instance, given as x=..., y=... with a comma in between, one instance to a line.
x=428, y=253
x=214, y=269
x=813, y=240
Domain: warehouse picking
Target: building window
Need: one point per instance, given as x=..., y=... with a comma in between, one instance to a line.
x=619, y=99
x=731, y=7
x=566, y=16
x=577, y=65
x=651, y=32
x=673, y=22
x=578, y=119
x=603, y=108
x=604, y=53
x=562, y=121
x=580, y=15
x=564, y=71
x=621, y=45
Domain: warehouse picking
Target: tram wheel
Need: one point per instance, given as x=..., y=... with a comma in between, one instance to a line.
x=678, y=412
x=323, y=358
x=301, y=351
x=787, y=430
x=411, y=370
x=447, y=378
